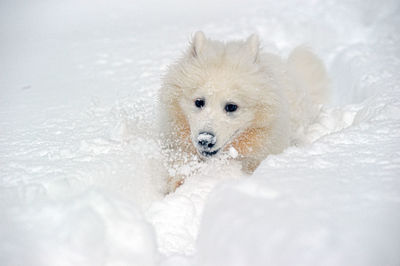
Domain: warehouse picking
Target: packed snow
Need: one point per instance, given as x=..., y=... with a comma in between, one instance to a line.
x=82, y=177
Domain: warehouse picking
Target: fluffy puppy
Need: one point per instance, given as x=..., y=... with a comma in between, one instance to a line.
x=232, y=96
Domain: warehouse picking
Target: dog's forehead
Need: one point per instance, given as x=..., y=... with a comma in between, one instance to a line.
x=215, y=90
x=222, y=83
x=219, y=83
x=211, y=86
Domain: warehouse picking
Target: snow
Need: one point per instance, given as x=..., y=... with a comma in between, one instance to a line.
x=91, y=230
x=233, y=152
x=81, y=176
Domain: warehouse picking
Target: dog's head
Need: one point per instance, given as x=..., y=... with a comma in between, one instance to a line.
x=221, y=90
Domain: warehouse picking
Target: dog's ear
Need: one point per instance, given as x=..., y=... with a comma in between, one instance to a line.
x=253, y=46
x=198, y=43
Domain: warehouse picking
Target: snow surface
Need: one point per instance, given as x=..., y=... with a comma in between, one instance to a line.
x=81, y=175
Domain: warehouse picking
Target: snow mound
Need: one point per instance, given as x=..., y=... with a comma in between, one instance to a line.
x=89, y=229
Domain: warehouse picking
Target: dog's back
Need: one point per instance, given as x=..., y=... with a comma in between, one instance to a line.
x=308, y=89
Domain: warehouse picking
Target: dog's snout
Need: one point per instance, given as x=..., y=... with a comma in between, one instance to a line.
x=206, y=140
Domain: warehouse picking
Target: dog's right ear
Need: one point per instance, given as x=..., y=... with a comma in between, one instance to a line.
x=253, y=46
x=198, y=43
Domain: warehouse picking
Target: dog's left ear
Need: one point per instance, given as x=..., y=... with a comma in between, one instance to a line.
x=198, y=43
x=253, y=46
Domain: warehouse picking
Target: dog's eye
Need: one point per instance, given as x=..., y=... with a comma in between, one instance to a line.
x=199, y=103
x=231, y=107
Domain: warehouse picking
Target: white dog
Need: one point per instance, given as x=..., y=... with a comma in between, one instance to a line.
x=231, y=96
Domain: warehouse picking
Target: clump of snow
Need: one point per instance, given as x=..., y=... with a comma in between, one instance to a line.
x=82, y=178
x=233, y=152
x=177, y=217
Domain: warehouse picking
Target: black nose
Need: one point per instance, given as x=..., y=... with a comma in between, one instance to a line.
x=206, y=140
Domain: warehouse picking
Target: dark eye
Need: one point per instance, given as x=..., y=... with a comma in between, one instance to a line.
x=231, y=107
x=199, y=103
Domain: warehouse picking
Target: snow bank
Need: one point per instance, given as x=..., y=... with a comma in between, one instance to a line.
x=323, y=204
x=90, y=229
x=81, y=174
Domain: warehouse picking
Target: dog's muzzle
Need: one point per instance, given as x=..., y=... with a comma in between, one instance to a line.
x=205, y=142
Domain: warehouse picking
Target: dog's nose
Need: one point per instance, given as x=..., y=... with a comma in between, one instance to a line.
x=206, y=140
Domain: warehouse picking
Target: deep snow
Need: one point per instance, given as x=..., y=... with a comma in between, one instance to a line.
x=81, y=174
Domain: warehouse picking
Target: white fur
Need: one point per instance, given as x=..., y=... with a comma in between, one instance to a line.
x=277, y=101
